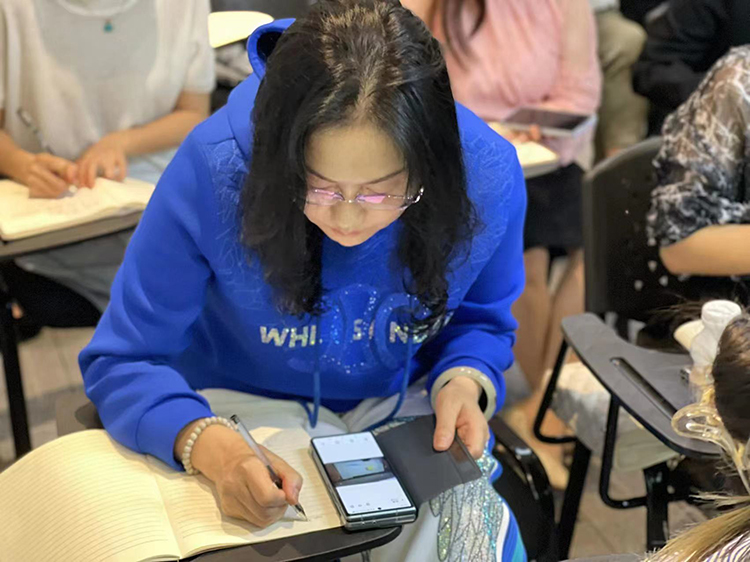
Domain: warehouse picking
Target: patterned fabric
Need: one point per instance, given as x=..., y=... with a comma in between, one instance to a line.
x=475, y=523
x=704, y=177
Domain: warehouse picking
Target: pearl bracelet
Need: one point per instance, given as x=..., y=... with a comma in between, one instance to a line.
x=188, y=450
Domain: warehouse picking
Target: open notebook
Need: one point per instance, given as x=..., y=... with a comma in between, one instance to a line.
x=84, y=497
x=21, y=216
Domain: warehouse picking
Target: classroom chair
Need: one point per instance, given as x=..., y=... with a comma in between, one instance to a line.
x=626, y=281
x=525, y=487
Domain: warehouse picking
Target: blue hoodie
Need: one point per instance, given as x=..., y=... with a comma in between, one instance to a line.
x=189, y=310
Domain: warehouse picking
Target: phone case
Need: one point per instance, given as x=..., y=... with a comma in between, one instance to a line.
x=423, y=472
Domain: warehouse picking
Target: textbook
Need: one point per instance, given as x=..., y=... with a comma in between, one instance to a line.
x=22, y=216
x=85, y=497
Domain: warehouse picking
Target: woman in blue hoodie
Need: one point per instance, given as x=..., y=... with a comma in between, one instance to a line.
x=337, y=247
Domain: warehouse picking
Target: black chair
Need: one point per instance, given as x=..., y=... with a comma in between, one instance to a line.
x=525, y=487
x=625, y=277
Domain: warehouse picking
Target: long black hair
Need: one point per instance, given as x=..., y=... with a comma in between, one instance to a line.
x=348, y=60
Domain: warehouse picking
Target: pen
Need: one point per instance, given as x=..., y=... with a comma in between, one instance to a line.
x=263, y=458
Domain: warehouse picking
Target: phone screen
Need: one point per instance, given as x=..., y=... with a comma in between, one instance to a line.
x=547, y=119
x=360, y=474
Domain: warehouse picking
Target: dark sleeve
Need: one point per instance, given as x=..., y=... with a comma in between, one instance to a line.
x=701, y=162
x=682, y=44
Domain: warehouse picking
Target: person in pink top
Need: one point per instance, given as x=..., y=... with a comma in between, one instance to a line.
x=503, y=55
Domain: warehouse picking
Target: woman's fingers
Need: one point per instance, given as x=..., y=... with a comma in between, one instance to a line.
x=122, y=167
x=87, y=171
x=474, y=434
x=44, y=183
x=110, y=166
x=264, y=491
x=446, y=412
x=291, y=479
x=250, y=494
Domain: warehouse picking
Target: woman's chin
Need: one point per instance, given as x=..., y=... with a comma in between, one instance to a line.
x=348, y=239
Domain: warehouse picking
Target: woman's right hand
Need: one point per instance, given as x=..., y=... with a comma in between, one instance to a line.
x=242, y=481
x=47, y=176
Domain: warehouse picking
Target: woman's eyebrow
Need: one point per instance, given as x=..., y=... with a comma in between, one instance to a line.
x=384, y=178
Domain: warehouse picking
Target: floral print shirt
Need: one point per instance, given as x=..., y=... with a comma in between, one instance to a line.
x=703, y=166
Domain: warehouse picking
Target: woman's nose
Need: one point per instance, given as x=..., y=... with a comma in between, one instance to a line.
x=348, y=216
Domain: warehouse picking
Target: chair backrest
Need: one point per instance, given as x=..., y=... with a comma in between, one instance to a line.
x=624, y=274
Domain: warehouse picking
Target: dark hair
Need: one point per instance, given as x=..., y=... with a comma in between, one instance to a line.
x=349, y=60
x=731, y=373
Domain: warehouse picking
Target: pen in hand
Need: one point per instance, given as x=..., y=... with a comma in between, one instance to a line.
x=263, y=458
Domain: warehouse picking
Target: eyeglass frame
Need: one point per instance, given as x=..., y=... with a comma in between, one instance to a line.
x=338, y=197
x=409, y=200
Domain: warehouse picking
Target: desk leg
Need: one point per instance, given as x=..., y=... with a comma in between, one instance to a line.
x=572, y=499
x=657, y=504
x=16, y=401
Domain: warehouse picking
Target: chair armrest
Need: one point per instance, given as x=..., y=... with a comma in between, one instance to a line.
x=647, y=383
x=527, y=463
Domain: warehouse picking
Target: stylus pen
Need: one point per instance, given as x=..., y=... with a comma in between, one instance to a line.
x=263, y=458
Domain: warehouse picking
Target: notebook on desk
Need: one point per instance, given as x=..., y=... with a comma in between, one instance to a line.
x=84, y=497
x=535, y=158
x=22, y=216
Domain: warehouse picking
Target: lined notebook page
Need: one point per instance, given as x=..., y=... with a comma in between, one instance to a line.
x=83, y=498
x=193, y=504
x=22, y=216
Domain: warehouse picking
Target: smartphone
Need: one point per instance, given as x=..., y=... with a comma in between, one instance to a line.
x=551, y=123
x=361, y=482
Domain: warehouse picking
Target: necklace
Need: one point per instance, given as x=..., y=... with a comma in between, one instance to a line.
x=108, y=11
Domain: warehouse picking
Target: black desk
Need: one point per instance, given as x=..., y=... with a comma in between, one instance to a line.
x=8, y=343
x=76, y=413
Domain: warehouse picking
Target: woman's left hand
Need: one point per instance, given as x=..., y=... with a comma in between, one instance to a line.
x=457, y=410
x=106, y=158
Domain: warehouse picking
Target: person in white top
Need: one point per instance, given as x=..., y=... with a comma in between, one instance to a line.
x=97, y=88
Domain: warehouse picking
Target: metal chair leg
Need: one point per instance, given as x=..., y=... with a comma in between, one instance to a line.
x=572, y=499
x=657, y=503
x=16, y=401
x=547, y=400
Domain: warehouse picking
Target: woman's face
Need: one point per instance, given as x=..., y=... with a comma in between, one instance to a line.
x=351, y=160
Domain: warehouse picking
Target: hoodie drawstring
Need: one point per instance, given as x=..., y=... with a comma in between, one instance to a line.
x=312, y=414
x=402, y=392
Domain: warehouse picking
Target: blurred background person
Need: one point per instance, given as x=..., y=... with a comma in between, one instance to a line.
x=93, y=88
x=623, y=113
x=683, y=43
x=503, y=55
x=700, y=212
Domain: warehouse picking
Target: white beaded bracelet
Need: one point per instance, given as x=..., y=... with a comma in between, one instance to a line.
x=188, y=450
